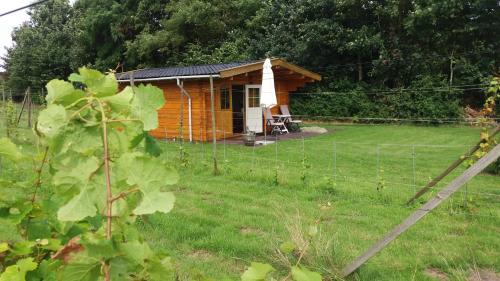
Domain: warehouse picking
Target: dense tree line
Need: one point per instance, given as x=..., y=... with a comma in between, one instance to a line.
x=357, y=45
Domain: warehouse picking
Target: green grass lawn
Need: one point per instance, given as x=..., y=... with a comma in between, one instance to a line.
x=351, y=182
x=269, y=195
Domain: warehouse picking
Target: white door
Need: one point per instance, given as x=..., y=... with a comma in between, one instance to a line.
x=253, y=118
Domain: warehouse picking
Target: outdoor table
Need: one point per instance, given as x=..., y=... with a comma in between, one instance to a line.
x=282, y=118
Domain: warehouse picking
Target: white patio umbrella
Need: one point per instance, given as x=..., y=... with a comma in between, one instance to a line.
x=267, y=92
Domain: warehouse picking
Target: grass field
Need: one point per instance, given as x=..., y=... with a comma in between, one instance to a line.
x=351, y=182
x=271, y=194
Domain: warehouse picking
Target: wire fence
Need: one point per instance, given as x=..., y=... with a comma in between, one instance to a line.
x=388, y=173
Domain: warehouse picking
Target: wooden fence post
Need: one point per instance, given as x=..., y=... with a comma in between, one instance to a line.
x=475, y=169
x=30, y=108
x=22, y=106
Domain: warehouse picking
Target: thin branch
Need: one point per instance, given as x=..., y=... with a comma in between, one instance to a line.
x=39, y=171
x=109, y=192
x=302, y=254
x=107, y=174
x=79, y=100
x=124, y=194
x=95, y=171
x=123, y=120
x=298, y=261
x=80, y=110
x=38, y=181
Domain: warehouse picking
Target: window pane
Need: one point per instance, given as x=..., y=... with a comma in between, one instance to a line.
x=225, y=100
x=254, y=97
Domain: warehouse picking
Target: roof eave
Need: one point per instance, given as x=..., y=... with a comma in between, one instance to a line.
x=233, y=71
x=171, y=78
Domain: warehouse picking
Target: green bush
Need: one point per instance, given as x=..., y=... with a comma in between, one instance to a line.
x=426, y=98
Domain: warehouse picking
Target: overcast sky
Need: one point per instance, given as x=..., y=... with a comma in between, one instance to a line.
x=8, y=22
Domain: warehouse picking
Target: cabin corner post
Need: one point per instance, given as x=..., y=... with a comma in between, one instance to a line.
x=214, y=133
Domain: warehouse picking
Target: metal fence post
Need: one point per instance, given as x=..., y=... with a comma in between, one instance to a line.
x=335, y=161
x=224, y=133
x=253, y=158
x=202, y=145
x=276, y=149
x=378, y=164
x=413, y=157
x=166, y=142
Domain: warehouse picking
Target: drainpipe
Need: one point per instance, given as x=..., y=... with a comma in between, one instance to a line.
x=180, y=84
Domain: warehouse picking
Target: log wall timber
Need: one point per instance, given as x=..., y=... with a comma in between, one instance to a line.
x=286, y=81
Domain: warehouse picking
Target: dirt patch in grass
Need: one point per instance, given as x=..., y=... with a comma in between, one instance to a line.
x=210, y=199
x=250, y=230
x=483, y=275
x=436, y=274
x=180, y=189
x=200, y=254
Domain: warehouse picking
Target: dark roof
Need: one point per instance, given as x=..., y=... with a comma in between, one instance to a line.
x=207, y=69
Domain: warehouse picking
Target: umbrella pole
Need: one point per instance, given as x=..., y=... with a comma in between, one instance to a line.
x=265, y=126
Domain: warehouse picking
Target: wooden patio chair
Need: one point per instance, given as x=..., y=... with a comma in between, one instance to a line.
x=294, y=124
x=277, y=127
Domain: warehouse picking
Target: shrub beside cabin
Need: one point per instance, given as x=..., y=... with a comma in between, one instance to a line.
x=236, y=89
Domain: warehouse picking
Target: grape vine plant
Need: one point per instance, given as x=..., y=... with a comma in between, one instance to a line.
x=102, y=173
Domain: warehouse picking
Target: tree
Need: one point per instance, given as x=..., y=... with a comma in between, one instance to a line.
x=40, y=50
x=361, y=45
x=198, y=31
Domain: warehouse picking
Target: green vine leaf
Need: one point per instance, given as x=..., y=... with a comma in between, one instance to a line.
x=73, y=169
x=22, y=248
x=287, y=247
x=17, y=212
x=97, y=83
x=146, y=101
x=97, y=246
x=257, y=272
x=120, y=103
x=81, y=268
x=85, y=140
x=119, y=268
x=9, y=150
x=155, y=201
x=149, y=175
x=83, y=205
x=18, y=271
x=160, y=270
x=62, y=92
x=51, y=120
x=46, y=271
x=151, y=146
x=304, y=274
x=4, y=247
x=135, y=251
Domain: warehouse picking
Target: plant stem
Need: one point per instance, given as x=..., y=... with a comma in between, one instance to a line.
x=109, y=192
x=302, y=254
x=124, y=194
x=123, y=120
x=39, y=171
x=38, y=181
x=108, y=179
x=80, y=110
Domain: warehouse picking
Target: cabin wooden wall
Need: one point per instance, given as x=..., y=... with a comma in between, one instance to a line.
x=223, y=118
x=169, y=115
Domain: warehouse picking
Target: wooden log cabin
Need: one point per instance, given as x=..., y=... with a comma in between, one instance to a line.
x=236, y=89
